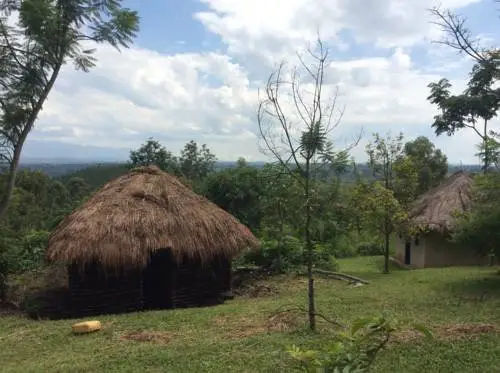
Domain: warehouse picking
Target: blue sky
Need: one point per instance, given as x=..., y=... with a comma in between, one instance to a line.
x=195, y=67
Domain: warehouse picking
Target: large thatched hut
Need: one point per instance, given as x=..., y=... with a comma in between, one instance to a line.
x=434, y=214
x=145, y=241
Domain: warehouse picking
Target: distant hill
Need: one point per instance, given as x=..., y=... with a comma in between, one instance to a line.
x=98, y=174
x=55, y=169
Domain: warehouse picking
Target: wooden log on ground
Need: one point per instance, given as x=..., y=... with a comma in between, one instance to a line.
x=340, y=276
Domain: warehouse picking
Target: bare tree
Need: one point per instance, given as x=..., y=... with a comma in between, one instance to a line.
x=294, y=124
x=457, y=35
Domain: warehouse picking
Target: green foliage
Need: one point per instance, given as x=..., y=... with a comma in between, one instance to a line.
x=406, y=183
x=473, y=108
x=480, y=227
x=384, y=205
x=489, y=151
x=34, y=244
x=98, y=175
x=196, y=163
x=278, y=255
x=237, y=190
x=193, y=165
x=48, y=35
x=370, y=248
x=376, y=208
x=153, y=153
x=430, y=163
x=352, y=351
x=77, y=188
x=36, y=200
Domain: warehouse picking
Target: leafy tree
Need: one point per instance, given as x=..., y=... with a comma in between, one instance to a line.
x=35, y=200
x=478, y=104
x=302, y=150
x=77, y=188
x=383, y=154
x=379, y=211
x=236, y=190
x=489, y=151
x=196, y=163
x=98, y=175
x=153, y=153
x=431, y=163
x=48, y=34
x=480, y=227
x=280, y=203
x=406, y=183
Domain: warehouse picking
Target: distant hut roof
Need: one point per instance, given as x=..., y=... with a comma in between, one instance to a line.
x=436, y=209
x=140, y=212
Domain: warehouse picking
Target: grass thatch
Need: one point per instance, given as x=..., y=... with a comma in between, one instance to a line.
x=436, y=209
x=143, y=211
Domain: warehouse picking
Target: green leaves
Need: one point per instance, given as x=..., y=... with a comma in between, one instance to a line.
x=153, y=153
x=352, y=350
x=475, y=106
x=480, y=227
x=49, y=34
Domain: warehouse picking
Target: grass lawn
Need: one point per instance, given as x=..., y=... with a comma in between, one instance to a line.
x=238, y=336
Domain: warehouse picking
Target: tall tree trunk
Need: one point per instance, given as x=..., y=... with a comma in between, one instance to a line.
x=3, y=288
x=18, y=147
x=388, y=176
x=486, y=147
x=11, y=180
x=281, y=237
x=386, y=248
x=310, y=252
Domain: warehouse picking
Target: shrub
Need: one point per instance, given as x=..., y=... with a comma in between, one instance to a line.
x=370, y=248
x=288, y=254
x=353, y=351
x=324, y=257
x=34, y=244
x=276, y=255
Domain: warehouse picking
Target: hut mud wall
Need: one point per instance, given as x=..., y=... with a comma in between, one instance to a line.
x=198, y=284
x=95, y=290
x=163, y=284
x=440, y=252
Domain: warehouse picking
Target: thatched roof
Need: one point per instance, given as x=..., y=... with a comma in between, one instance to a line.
x=140, y=212
x=436, y=209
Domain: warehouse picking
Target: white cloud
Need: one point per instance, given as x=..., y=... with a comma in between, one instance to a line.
x=257, y=27
x=212, y=97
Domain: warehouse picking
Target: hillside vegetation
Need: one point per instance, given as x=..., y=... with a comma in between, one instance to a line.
x=249, y=335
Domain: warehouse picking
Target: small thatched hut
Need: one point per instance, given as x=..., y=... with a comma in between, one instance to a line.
x=434, y=214
x=144, y=241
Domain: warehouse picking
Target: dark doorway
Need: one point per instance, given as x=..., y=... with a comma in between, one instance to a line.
x=408, y=253
x=158, y=281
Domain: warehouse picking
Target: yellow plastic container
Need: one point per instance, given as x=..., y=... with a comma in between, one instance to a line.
x=86, y=327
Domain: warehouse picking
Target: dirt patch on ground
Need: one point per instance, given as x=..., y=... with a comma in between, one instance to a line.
x=239, y=328
x=253, y=283
x=284, y=321
x=260, y=282
x=148, y=336
x=9, y=309
x=244, y=327
x=465, y=331
x=451, y=332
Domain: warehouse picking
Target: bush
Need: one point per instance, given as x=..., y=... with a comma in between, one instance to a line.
x=277, y=256
x=324, y=258
x=354, y=350
x=20, y=254
x=288, y=254
x=372, y=248
x=34, y=244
